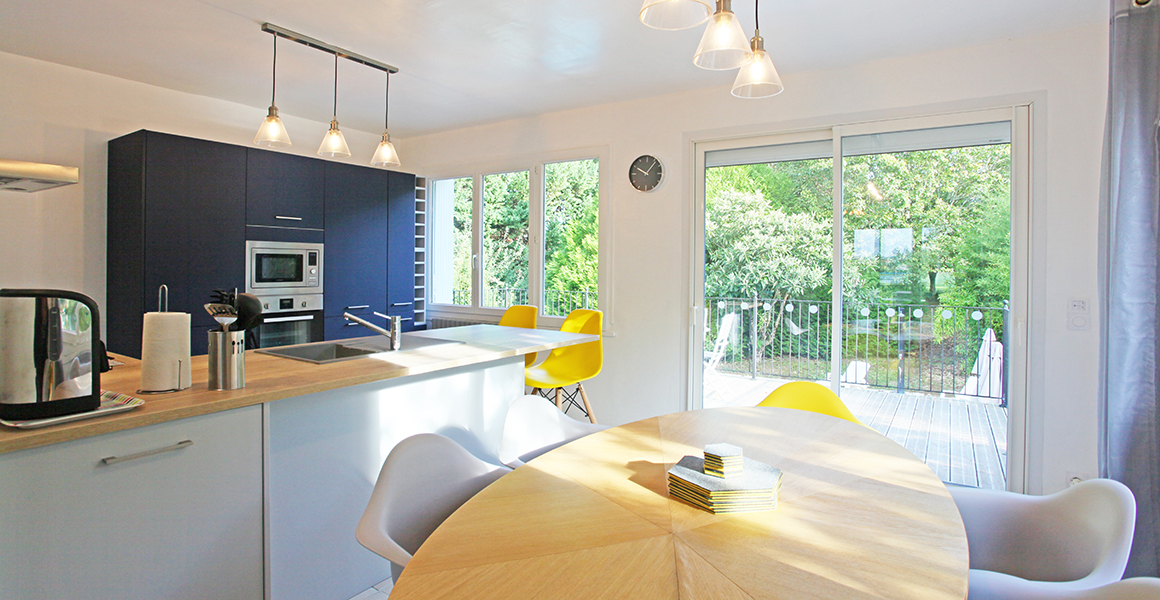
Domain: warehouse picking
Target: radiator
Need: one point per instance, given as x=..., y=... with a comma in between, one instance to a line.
x=444, y=322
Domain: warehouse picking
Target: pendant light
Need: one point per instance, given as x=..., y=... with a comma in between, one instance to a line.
x=723, y=46
x=757, y=78
x=675, y=14
x=385, y=155
x=333, y=144
x=272, y=132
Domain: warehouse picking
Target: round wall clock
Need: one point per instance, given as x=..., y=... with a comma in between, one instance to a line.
x=646, y=173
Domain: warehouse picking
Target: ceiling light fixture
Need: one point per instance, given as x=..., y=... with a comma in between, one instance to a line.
x=724, y=45
x=385, y=155
x=272, y=132
x=675, y=14
x=757, y=78
x=333, y=143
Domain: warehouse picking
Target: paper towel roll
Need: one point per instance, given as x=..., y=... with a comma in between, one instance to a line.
x=165, y=352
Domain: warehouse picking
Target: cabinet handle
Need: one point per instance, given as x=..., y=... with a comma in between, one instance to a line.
x=112, y=460
x=407, y=319
x=360, y=306
x=287, y=218
x=351, y=325
x=402, y=303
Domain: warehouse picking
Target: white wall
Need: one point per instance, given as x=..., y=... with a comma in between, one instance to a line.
x=60, y=115
x=645, y=365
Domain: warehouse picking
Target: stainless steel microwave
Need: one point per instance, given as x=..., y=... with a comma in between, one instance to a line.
x=283, y=268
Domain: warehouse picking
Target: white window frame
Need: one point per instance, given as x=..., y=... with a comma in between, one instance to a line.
x=534, y=165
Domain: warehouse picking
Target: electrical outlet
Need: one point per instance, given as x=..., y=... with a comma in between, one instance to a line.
x=1075, y=480
x=1077, y=305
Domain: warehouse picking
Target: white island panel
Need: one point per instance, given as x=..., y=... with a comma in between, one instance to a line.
x=325, y=451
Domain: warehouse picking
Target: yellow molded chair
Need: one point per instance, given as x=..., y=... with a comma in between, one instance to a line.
x=524, y=316
x=571, y=365
x=807, y=395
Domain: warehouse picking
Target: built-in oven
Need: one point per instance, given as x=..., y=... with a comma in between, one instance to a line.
x=283, y=268
x=287, y=278
x=288, y=320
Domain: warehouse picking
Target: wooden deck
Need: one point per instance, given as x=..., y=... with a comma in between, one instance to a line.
x=963, y=441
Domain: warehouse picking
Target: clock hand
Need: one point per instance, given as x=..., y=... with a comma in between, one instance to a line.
x=642, y=170
x=650, y=168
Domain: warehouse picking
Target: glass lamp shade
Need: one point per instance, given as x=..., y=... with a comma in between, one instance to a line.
x=334, y=145
x=272, y=132
x=385, y=155
x=724, y=45
x=675, y=14
x=757, y=78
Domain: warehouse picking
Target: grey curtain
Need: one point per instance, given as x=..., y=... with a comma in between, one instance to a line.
x=1130, y=273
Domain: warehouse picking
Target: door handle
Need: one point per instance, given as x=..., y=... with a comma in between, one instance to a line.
x=112, y=460
x=288, y=319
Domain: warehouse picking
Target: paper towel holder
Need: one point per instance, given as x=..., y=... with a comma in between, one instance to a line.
x=163, y=307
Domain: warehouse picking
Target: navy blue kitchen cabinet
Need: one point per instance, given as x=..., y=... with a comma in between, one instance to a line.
x=401, y=249
x=176, y=216
x=338, y=328
x=284, y=191
x=355, y=260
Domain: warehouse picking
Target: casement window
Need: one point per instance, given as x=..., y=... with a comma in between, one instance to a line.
x=531, y=235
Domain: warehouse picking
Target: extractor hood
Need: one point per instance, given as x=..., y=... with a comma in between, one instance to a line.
x=22, y=176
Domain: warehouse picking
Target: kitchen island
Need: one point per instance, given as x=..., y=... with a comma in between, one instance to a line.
x=260, y=488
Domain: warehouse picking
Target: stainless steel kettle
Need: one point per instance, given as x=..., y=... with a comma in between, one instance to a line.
x=49, y=353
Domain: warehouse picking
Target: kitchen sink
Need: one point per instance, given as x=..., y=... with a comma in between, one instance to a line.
x=328, y=352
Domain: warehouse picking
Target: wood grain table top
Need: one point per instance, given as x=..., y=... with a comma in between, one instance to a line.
x=859, y=517
x=270, y=378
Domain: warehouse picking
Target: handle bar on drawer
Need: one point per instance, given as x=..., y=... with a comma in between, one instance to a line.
x=112, y=460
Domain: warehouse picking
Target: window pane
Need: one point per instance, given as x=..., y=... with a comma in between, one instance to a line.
x=450, y=260
x=571, y=235
x=505, y=239
x=768, y=271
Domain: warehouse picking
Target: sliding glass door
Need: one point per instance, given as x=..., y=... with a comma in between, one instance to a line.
x=879, y=265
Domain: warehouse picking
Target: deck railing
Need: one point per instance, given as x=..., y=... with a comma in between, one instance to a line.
x=935, y=349
x=556, y=302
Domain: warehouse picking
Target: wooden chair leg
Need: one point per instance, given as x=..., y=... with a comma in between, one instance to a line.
x=535, y=392
x=587, y=406
x=559, y=405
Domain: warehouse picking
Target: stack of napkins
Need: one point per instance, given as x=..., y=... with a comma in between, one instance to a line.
x=751, y=487
x=723, y=460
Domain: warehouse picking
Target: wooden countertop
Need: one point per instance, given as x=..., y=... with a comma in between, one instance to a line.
x=270, y=378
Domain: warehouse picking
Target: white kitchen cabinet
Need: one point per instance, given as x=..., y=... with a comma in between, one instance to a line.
x=184, y=523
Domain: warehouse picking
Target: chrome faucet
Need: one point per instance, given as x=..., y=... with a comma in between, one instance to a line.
x=392, y=333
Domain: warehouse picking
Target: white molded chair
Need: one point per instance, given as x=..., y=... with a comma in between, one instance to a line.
x=1134, y=588
x=534, y=426
x=1026, y=547
x=424, y=479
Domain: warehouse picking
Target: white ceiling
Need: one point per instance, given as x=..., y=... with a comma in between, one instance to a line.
x=465, y=62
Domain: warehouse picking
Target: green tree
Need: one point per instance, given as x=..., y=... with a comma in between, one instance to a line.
x=571, y=225
x=505, y=231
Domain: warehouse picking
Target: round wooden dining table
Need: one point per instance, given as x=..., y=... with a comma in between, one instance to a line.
x=858, y=516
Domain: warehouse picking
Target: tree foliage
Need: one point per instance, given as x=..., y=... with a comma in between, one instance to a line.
x=926, y=226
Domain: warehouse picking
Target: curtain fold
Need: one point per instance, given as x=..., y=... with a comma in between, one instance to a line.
x=1129, y=407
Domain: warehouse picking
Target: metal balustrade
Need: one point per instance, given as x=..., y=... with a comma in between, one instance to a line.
x=952, y=350
x=556, y=302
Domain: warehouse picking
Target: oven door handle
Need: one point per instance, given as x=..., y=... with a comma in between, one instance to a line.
x=287, y=319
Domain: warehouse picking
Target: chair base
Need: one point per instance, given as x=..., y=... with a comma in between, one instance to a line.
x=563, y=395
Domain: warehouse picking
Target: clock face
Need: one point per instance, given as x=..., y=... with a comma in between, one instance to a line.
x=645, y=173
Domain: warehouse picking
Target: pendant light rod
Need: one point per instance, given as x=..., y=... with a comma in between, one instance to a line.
x=274, y=74
x=320, y=45
x=387, y=103
x=335, y=87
